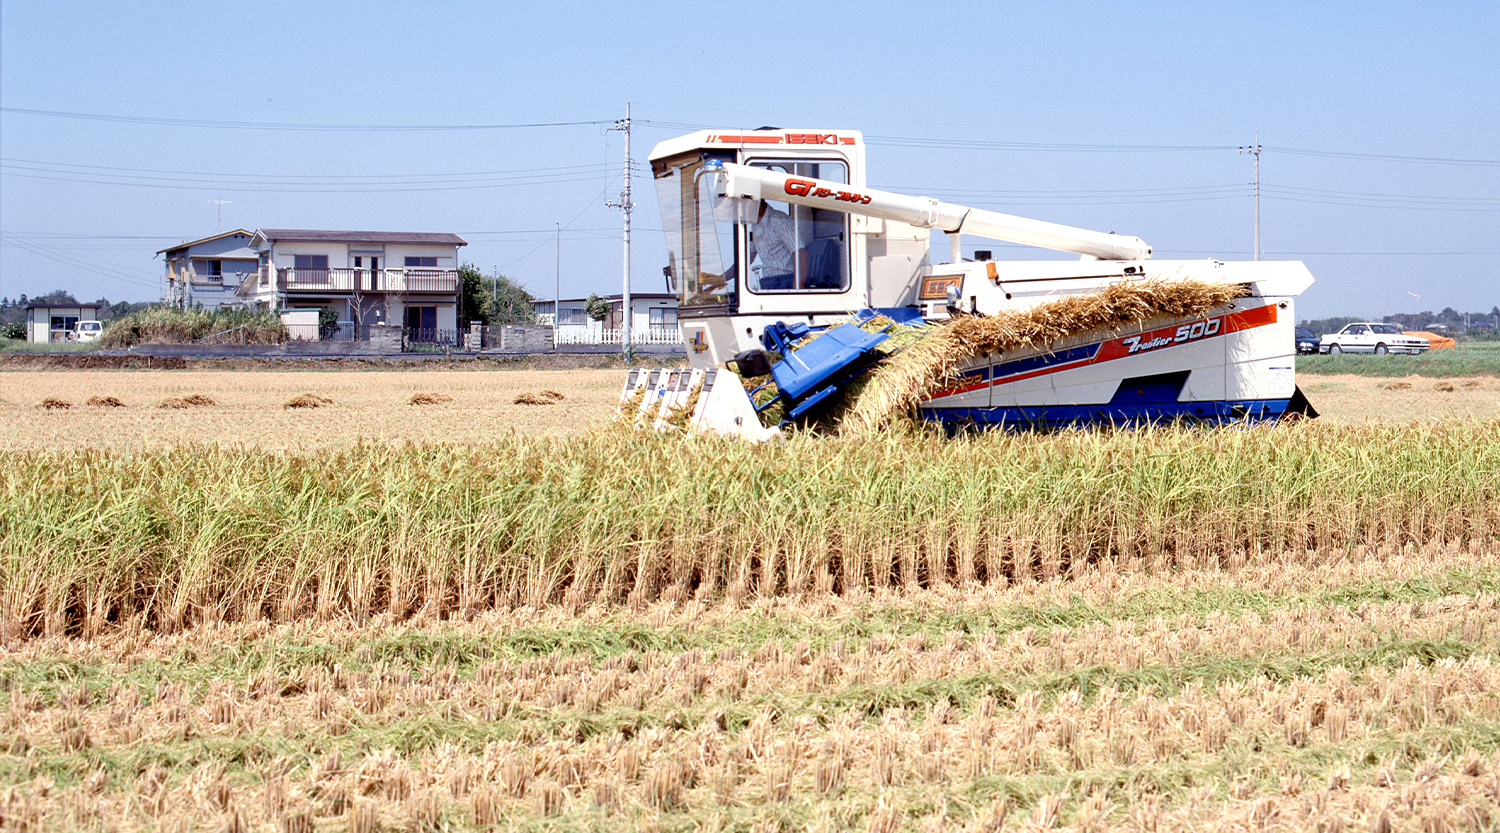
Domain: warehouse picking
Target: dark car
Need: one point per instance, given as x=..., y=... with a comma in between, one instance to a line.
x=1307, y=342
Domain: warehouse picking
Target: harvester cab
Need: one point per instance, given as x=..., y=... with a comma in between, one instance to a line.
x=786, y=264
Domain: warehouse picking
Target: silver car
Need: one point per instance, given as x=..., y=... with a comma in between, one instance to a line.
x=1369, y=337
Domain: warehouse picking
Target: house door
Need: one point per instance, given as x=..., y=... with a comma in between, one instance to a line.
x=366, y=279
x=421, y=323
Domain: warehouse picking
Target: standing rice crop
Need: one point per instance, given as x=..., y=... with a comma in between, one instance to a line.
x=87, y=538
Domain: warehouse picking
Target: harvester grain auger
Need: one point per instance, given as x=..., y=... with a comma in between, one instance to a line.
x=805, y=296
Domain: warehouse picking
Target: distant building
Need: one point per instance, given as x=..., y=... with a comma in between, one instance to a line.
x=209, y=272
x=368, y=277
x=49, y=323
x=653, y=319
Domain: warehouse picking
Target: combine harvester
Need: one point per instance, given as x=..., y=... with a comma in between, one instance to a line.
x=805, y=296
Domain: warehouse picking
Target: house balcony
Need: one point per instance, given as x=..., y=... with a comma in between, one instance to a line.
x=368, y=280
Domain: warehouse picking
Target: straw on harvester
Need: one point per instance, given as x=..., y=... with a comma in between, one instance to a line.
x=935, y=354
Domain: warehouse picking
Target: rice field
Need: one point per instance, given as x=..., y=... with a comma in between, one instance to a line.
x=1355, y=691
x=1468, y=358
x=438, y=600
x=251, y=407
x=374, y=406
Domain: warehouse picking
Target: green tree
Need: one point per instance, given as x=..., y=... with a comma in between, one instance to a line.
x=56, y=296
x=596, y=307
x=493, y=299
x=328, y=321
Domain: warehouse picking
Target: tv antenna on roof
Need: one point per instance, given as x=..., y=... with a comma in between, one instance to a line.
x=219, y=226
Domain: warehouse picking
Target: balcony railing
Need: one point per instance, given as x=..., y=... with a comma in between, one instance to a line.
x=369, y=280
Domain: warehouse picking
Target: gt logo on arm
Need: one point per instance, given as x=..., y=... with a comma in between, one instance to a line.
x=808, y=188
x=1187, y=332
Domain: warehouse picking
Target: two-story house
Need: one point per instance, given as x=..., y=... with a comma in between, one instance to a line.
x=368, y=277
x=208, y=272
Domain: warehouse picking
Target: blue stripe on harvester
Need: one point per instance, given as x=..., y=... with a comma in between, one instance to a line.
x=1052, y=416
x=1072, y=354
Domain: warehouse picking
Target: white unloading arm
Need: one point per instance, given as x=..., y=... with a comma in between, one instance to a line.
x=744, y=181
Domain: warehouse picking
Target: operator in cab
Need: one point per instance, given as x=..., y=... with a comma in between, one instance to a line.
x=775, y=246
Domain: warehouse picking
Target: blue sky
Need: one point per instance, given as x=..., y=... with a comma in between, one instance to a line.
x=1379, y=121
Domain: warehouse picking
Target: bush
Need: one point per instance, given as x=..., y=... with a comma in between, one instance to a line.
x=596, y=307
x=13, y=329
x=165, y=325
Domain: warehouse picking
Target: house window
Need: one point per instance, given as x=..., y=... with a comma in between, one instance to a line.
x=210, y=270
x=310, y=261
x=64, y=322
x=421, y=263
x=663, y=317
x=575, y=317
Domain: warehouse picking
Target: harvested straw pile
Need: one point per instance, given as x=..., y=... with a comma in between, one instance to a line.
x=196, y=400
x=937, y=353
x=429, y=398
x=105, y=402
x=52, y=403
x=546, y=397
x=1398, y=386
x=307, y=400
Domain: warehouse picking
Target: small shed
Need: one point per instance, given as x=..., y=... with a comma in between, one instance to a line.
x=48, y=323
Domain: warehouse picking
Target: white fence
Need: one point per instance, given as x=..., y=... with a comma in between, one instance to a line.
x=640, y=335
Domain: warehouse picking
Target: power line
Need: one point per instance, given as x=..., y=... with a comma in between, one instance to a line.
x=290, y=126
x=1385, y=157
x=186, y=184
x=453, y=176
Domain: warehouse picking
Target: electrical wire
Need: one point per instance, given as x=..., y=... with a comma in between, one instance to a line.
x=1383, y=157
x=292, y=126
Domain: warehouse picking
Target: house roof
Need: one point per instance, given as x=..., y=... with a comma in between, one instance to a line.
x=187, y=243
x=300, y=235
x=48, y=305
x=615, y=298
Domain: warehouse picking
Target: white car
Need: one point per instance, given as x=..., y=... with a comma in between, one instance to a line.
x=86, y=331
x=1372, y=338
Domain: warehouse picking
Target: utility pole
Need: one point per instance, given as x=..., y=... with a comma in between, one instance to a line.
x=495, y=291
x=1254, y=150
x=557, y=289
x=625, y=206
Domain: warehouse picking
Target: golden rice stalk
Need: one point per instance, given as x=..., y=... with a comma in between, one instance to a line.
x=937, y=353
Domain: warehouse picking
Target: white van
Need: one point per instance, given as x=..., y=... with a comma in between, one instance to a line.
x=86, y=331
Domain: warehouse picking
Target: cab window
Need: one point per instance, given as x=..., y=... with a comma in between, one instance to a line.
x=794, y=248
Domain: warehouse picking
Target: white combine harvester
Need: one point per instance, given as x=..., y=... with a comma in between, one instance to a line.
x=773, y=236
